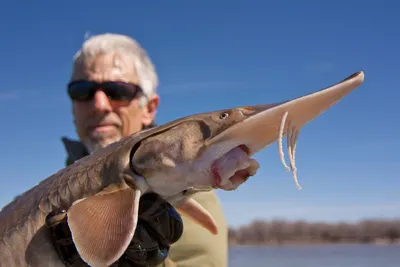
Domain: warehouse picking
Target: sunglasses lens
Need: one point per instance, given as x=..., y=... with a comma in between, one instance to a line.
x=81, y=91
x=84, y=90
x=120, y=91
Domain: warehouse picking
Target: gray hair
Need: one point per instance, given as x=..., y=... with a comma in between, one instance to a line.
x=128, y=48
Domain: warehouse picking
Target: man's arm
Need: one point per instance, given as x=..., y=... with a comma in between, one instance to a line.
x=159, y=225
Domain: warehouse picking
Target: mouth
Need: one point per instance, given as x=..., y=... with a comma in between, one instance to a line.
x=233, y=169
x=102, y=128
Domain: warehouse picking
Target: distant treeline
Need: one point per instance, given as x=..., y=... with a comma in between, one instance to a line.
x=300, y=232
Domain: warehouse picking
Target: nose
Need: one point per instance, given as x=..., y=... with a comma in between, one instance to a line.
x=101, y=102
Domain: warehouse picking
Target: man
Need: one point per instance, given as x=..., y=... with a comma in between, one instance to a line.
x=127, y=104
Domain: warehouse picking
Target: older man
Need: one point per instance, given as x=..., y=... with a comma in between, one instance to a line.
x=126, y=103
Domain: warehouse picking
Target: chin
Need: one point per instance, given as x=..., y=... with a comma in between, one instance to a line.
x=93, y=144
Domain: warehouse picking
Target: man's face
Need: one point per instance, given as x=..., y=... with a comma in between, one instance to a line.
x=102, y=121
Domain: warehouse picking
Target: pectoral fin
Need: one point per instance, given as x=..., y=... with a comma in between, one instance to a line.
x=190, y=208
x=103, y=225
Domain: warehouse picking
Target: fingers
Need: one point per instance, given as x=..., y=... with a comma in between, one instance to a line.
x=144, y=250
x=159, y=226
x=55, y=217
x=61, y=238
x=161, y=218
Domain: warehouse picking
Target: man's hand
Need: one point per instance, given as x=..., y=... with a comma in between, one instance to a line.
x=159, y=226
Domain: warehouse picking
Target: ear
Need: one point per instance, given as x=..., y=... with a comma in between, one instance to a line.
x=150, y=109
x=103, y=225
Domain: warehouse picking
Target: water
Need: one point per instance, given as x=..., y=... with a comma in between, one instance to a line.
x=316, y=256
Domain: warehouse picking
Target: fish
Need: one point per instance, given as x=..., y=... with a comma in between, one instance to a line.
x=200, y=152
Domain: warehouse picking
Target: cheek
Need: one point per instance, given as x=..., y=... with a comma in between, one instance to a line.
x=80, y=118
x=80, y=114
x=132, y=119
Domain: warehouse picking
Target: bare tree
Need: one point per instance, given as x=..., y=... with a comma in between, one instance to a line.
x=281, y=231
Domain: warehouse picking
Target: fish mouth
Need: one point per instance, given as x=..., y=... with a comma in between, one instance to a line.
x=239, y=176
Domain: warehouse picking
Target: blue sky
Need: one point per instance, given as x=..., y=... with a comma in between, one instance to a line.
x=218, y=54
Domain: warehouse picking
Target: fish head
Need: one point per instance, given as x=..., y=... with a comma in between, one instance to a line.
x=213, y=150
x=182, y=158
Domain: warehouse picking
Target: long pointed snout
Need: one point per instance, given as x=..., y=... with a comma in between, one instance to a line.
x=270, y=122
x=265, y=124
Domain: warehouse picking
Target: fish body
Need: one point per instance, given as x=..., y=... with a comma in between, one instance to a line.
x=24, y=239
x=200, y=152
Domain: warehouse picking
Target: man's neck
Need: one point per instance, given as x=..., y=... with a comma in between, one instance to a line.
x=77, y=150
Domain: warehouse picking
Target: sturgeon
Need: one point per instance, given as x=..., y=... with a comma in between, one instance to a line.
x=201, y=152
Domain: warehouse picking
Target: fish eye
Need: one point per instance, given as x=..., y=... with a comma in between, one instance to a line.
x=224, y=115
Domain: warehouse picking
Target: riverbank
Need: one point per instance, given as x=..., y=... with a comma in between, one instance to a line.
x=277, y=233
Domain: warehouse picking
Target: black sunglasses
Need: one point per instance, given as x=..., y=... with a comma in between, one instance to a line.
x=84, y=90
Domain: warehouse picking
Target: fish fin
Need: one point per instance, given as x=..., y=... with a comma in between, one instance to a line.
x=192, y=209
x=103, y=225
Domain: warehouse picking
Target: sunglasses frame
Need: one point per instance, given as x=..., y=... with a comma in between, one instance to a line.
x=132, y=90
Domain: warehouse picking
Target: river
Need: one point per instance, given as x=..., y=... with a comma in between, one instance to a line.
x=316, y=256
